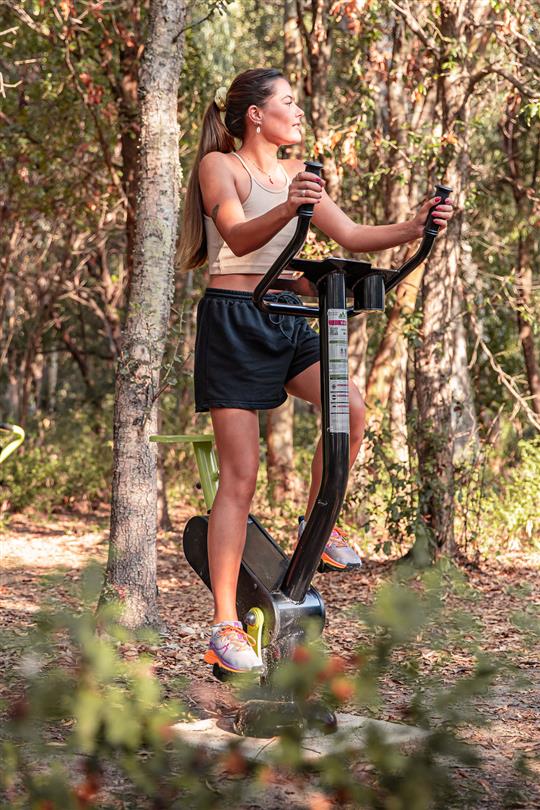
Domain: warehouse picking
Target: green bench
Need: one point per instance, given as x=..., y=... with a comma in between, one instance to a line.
x=205, y=456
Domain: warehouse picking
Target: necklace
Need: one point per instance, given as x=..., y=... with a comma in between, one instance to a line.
x=259, y=168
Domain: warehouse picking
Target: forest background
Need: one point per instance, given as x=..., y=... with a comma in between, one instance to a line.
x=397, y=97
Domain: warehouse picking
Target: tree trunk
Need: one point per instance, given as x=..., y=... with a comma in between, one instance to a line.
x=525, y=309
x=398, y=406
x=280, y=456
x=400, y=199
x=128, y=114
x=292, y=48
x=358, y=344
x=280, y=421
x=131, y=568
x=319, y=46
x=434, y=356
x=464, y=423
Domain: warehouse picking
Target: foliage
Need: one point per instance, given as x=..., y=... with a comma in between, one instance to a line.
x=86, y=699
x=509, y=508
x=61, y=464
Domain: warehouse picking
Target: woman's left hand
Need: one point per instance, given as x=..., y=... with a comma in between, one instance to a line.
x=441, y=216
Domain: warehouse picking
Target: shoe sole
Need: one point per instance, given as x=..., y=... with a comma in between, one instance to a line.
x=212, y=657
x=328, y=564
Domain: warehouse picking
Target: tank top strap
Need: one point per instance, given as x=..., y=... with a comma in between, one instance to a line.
x=243, y=162
x=285, y=175
x=246, y=167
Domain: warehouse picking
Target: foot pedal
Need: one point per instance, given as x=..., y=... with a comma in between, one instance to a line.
x=254, y=622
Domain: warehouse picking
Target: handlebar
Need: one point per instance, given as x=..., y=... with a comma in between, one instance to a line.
x=391, y=277
x=430, y=232
x=305, y=212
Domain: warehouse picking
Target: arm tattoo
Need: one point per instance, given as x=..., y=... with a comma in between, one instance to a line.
x=214, y=213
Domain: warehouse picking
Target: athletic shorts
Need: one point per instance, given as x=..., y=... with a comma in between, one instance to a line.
x=245, y=357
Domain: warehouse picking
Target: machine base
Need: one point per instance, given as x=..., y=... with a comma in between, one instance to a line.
x=267, y=718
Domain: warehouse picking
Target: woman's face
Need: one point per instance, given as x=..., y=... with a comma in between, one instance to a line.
x=281, y=117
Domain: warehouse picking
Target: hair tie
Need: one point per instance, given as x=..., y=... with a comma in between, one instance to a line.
x=220, y=99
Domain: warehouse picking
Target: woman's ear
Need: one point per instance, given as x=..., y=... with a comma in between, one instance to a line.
x=254, y=114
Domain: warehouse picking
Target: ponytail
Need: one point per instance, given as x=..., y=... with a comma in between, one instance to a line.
x=214, y=138
x=249, y=87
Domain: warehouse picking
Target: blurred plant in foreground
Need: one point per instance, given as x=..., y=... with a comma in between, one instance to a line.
x=74, y=729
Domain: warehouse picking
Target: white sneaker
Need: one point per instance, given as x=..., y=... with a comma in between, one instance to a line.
x=232, y=649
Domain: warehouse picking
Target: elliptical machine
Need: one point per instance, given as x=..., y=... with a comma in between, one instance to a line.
x=275, y=598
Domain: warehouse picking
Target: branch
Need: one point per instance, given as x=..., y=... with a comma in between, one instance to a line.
x=23, y=15
x=506, y=379
x=217, y=4
x=492, y=70
x=414, y=25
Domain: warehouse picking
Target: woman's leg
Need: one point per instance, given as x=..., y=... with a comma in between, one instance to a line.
x=236, y=434
x=307, y=385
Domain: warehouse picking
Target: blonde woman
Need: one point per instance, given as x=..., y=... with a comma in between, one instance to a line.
x=240, y=212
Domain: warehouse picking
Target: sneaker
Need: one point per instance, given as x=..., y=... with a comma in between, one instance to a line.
x=338, y=554
x=232, y=649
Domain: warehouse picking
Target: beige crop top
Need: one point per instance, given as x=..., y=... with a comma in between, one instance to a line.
x=221, y=259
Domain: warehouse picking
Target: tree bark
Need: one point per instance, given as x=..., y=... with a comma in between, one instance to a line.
x=282, y=482
x=128, y=113
x=292, y=48
x=280, y=421
x=434, y=354
x=525, y=308
x=131, y=568
x=319, y=54
x=512, y=133
x=464, y=422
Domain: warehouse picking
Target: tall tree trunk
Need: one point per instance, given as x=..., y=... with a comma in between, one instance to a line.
x=292, y=48
x=131, y=568
x=282, y=482
x=398, y=407
x=319, y=54
x=513, y=132
x=358, y=344
x=464, y=422
x=128, y=112
x=525, y=308
x=434, y=354
x=280, y=421
x=400, y=199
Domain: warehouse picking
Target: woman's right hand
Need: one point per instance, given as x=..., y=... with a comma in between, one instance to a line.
x=305, y=187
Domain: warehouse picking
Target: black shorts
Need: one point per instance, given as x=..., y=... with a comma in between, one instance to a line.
x=245, y=357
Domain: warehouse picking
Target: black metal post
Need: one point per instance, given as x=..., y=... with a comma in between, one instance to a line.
x=335, y=435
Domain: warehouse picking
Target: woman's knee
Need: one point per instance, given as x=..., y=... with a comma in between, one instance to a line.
x=239, y=482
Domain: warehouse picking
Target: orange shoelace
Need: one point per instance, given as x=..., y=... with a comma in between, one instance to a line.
x=338, y=537
x=236, y=636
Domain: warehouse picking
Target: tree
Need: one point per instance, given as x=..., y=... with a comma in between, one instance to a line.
x=131, y=568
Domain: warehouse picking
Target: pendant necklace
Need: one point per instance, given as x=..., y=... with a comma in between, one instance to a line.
x=261, y=170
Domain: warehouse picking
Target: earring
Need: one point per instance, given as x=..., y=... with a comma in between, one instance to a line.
x=258, y=129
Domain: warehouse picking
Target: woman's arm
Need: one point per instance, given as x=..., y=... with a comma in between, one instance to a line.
x=335, y=223
x=220, y=197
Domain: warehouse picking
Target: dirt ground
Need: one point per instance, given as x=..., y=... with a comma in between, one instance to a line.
x=34, y=549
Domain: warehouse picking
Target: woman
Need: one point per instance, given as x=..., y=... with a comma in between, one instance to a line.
x=240, y=212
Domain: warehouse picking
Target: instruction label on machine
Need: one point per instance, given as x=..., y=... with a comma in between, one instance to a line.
x=339, y=371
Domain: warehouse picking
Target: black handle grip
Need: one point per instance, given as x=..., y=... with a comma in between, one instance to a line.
x=306, y=209
x=443, y=192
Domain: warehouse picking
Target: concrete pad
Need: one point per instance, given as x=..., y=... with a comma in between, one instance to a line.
x=213, y=735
